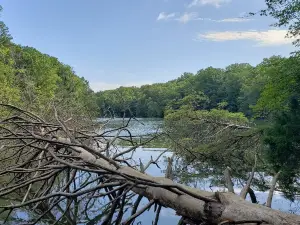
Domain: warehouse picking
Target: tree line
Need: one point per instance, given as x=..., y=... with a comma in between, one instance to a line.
x=252, y=90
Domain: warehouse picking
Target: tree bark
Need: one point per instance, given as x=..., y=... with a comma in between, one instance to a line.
x=228, y=180
x=246, y=188
x=272, y=189
x=252, y=195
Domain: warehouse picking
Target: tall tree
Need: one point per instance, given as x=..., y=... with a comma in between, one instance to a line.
x=281, y=83
x=282, y=138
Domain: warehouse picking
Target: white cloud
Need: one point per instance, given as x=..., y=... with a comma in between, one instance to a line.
x=186, y=17
x=102, y=86
x=233, y=20
x=165, y=16
x=216, y=3
x=262, y=38
x=192, y=16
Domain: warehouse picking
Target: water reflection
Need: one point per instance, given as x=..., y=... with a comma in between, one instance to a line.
x=137, y=126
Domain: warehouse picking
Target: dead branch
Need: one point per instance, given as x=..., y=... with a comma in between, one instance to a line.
x=53, y=170
x=245, y=189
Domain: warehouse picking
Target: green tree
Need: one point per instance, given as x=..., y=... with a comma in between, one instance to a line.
x=281, y=83
x=286, y=12
x=5, y=36
x=282, y=138
x=37, y=82
x=9, y=92
x=209, y=81
x=234, y=78
x=194, y=101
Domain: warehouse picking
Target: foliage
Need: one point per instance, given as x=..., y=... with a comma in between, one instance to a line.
x=208, y=142
x=216, y=138
x=37, y=82
x=9, y=93
x=286, y=13
x=282, y=140
x=282, y=82
x=254, y=91
x=5, y=37
x=194, y=101
x=204, y=90
x=202, y=131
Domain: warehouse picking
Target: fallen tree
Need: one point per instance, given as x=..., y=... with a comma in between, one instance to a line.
x=51, y=167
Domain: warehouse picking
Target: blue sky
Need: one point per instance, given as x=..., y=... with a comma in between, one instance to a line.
x=134, y=42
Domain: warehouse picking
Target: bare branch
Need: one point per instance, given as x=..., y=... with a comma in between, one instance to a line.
x=138, y=213
x=51, y=167
x=245, y=189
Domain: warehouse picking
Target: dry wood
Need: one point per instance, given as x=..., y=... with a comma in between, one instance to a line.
x=51, y=150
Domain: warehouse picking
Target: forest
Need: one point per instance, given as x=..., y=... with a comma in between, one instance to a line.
x=254, y=91
x=62, y=162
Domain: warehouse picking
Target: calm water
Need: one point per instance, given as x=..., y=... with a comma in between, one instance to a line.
x=137, y=127
x=167, y=216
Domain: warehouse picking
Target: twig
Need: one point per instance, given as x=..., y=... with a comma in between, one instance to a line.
x=131, y=218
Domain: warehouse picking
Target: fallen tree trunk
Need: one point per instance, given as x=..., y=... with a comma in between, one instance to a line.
x=23, y=139
x=201, y=205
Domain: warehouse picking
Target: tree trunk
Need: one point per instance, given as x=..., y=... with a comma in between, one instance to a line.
x=193, y=203
x=246, y=188
x=272, y=189
x=252, y=195
x=228, y=180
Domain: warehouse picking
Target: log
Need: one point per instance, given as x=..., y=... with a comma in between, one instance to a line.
x=225, y=207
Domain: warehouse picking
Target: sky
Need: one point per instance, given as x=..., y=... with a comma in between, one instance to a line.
x=135, y=42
